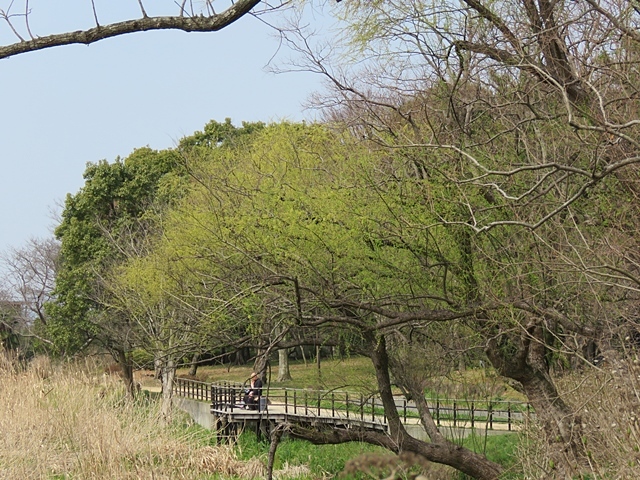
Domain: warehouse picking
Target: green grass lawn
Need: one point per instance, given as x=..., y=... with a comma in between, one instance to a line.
x=353, y=373
x=356, y=374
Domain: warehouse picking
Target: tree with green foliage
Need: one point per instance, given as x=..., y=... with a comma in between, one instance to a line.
x=101, y=225
x=298, y=230
x=519, y=120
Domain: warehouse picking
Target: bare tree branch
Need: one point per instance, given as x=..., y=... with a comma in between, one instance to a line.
x=187, y=24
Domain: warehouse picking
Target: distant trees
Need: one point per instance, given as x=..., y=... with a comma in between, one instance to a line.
x=30, y=276
x=103, y=224
x=122, y=285
x=27, y=285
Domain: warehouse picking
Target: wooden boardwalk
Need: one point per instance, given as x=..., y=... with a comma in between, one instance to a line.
x=344, y=409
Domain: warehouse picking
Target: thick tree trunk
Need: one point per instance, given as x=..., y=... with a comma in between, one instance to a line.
x=260, y=365
x=125, y=363
x=561, y=425
x=283, y=365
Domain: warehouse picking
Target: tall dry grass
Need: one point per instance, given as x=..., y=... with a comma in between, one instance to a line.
x=607, y=399
x=69, y=422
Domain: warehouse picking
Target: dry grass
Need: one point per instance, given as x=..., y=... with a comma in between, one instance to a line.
x=67, y=422
x=608, y=402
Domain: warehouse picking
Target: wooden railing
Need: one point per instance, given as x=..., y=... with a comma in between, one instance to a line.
x=357, y=407
x=183, y=387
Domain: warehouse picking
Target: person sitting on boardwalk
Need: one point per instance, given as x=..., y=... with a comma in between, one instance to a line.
x=252, y=396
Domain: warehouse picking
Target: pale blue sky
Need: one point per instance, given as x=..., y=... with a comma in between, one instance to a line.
x=66, y=106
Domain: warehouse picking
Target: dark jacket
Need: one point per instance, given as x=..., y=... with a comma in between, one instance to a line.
x=256, y=391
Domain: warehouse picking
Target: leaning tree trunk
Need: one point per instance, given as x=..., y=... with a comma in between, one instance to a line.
x=439, y=449
x=397, y=440
x=561, y=425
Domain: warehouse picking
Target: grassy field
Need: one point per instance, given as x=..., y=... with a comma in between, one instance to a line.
x=356, y=374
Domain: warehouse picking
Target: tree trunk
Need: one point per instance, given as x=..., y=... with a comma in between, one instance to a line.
x=561, y=425
x=439, y=450
x=260, y=365
x=157, y=369
x=168, y=371
x=276, y=435
x=318, y=364
x=125, y=363
x=283, y=365
x=194, y=364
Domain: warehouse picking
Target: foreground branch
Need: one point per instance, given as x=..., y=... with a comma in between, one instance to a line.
x=188, y=24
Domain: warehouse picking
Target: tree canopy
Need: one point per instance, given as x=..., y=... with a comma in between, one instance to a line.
x=471, y=193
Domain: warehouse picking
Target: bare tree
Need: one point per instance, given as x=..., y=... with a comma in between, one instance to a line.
x=30, y=275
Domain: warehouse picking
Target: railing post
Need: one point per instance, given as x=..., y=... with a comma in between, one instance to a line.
x=306, y=403
x=509, y=416
x=404, y=409
x=286, y=402
x=318, y=404
x=373, y=409
x=232, y=394
x=347, y=403
x=438, y=412
x=361, y=408
x=472, y=414
x=490, y=416
x=295, y=403
x=455, y=413
x=333, y=404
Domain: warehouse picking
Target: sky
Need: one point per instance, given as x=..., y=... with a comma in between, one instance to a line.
x=65, y=106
